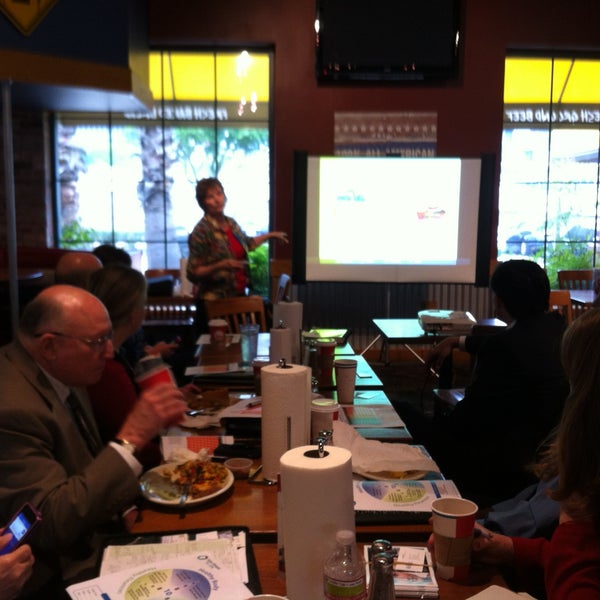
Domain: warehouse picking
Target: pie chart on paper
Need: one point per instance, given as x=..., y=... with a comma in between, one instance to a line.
x=169, y=584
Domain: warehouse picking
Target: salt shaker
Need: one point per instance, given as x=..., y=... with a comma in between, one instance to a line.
x=381, y=586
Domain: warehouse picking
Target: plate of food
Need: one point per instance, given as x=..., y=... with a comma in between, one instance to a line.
x=186, y=483
x=411, y=475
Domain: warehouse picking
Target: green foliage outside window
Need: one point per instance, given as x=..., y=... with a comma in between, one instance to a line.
x=566, y=257
x=259, y=270
x=74, y=236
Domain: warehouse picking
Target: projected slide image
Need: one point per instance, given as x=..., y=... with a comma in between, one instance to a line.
x=389, y=213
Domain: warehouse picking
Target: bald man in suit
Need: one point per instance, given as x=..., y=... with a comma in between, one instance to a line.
x=51, y=453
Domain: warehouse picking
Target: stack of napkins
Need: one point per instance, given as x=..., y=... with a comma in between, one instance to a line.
x=373, y=456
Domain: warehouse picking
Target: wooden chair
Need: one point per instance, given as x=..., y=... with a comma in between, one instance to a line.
x=576, y=279
x=560, y=300
x=238, y=311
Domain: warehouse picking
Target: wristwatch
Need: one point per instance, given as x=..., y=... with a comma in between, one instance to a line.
x=132, y=448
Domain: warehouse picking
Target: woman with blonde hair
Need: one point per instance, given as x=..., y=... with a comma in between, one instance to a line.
x=122, y=290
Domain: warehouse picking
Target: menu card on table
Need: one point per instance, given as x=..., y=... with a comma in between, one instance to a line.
x=196, y=564
x=399, y=501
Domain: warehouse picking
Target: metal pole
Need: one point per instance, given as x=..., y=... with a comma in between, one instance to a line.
x=9, y=184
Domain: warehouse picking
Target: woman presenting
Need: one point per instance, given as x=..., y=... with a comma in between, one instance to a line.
x=218, y=247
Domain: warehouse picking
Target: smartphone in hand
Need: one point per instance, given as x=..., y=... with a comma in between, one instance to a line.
x=20, y=526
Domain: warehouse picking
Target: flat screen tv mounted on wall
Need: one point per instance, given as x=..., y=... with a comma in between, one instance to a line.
x=387, y=40
x=392, y=219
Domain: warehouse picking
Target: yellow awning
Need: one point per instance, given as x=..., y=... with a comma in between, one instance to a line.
x=541, y=80
x=188, y=76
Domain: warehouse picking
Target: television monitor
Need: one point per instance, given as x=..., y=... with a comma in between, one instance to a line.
x=385, y=40
x=391, y=219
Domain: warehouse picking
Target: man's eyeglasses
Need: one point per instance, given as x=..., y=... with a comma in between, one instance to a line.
x=96, y=344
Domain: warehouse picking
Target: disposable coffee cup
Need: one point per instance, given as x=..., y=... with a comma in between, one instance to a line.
x=151, y=371
x=345, y=379
x=257, y=365
x=453, y=525
x=218, y=330
x=325, y=355
x=323, y=412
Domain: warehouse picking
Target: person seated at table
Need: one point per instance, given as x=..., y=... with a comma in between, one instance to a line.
x=52, y=455
x=75, y=268
x=122, y=290
x=112, y=255
x=15, y=568
x=530, y=513
x=515, y=397
x=136, y=346
x=569, y=563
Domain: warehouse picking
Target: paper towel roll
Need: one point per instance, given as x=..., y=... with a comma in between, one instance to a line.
x=291, y=315
x=286, y=398
x=281, y=345
x=316, y=502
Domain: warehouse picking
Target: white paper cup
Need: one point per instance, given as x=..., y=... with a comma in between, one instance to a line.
x=453, y=525
x=345, y=379
x=323, y=412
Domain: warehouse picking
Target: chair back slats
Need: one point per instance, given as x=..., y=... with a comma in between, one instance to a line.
x=560, y=300
x=238, y=311
x=575, y=279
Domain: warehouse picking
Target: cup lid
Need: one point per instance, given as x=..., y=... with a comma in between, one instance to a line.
x=217, y=323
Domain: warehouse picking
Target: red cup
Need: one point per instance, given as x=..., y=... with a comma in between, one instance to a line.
x=218, y=330
x=161, y=374
x=325, y=355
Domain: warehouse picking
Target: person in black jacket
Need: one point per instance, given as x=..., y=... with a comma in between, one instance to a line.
x=487, y=443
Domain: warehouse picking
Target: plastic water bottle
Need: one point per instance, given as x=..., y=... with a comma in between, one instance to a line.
x=381, y=586
x=344, y=572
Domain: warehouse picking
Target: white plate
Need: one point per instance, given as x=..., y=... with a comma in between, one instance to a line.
x=159, y=489
x=392, y=475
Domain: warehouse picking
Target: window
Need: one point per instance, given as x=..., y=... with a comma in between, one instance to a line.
x=129, y=179
x=549, y=182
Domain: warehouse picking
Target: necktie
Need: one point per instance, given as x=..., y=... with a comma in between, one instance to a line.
x=87, y=432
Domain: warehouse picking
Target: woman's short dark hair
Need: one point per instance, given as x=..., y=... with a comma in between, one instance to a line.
x=202, y=187
x=523, y=287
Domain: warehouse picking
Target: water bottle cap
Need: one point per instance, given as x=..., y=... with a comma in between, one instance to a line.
x=345, y=536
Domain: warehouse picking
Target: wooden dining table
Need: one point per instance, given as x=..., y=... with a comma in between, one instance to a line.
x=273, y=582
x=255, y=506
x=252, y=503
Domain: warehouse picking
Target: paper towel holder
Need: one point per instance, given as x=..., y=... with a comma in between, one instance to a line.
x=320, y=452
x=283, y=364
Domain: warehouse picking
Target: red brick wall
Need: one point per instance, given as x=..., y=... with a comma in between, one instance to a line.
x=33, y=214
